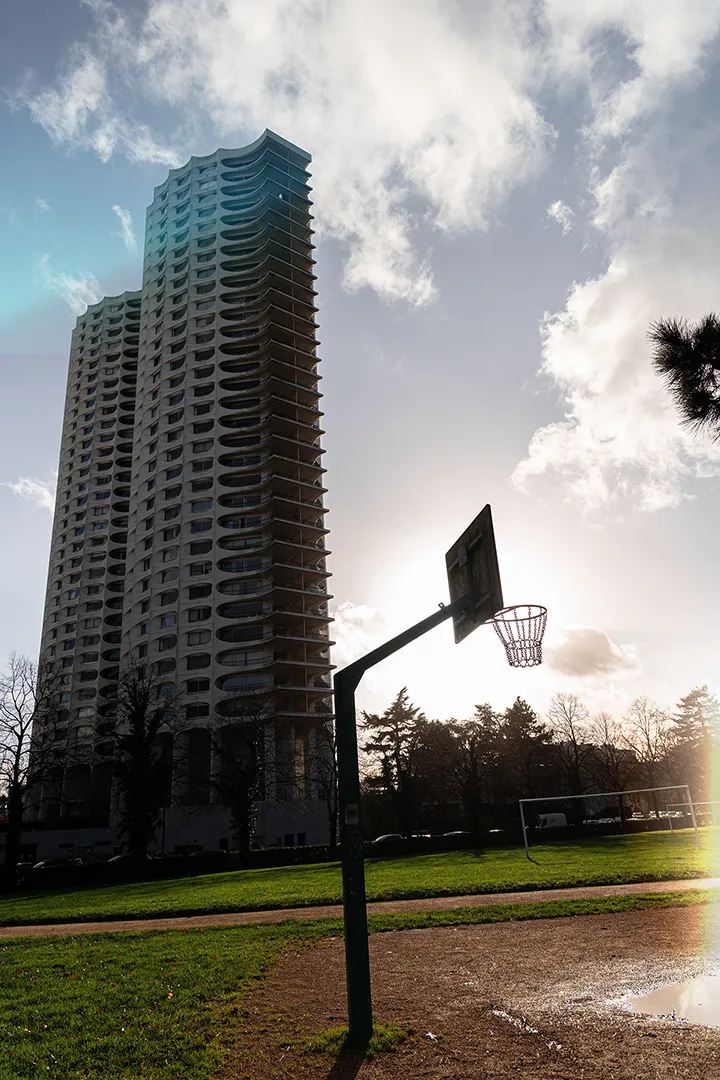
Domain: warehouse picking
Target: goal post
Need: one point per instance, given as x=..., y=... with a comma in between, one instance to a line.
x=601, y=794
x=677, y=805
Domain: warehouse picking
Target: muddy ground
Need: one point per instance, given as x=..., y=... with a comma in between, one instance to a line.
x=526, y=1000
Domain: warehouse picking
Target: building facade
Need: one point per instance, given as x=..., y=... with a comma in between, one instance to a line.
x=189, y=535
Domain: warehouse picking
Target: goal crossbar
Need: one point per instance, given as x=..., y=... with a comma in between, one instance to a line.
x=601, y=794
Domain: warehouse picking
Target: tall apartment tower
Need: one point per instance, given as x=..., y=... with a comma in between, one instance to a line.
x=85, y=593
x=211, y=564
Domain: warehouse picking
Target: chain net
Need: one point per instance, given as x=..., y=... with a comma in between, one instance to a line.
x=521, y=629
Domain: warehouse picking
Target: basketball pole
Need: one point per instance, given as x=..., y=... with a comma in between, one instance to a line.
x=357, y=955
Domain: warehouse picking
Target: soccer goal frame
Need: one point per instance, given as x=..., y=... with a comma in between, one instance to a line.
x=675, y=805
x=600, y=794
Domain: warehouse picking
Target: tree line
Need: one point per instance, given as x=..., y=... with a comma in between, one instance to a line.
x=420, y=774
x=143, y=750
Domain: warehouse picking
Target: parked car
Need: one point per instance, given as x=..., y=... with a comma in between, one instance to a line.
x=389, y=838
x=52, y=864
x=126, y=857
x=552, y=821
x=458, y=833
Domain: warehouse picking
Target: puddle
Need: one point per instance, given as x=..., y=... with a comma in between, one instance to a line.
x=696, y=1000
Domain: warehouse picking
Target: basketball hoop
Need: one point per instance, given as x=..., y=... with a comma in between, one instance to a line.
x=521, y=629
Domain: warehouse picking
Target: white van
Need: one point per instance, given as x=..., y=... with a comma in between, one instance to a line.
x=552, y=821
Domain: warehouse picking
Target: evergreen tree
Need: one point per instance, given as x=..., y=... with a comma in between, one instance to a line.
x=476, y=762
x=393, y=743
x=524, y=745
x=695, y=725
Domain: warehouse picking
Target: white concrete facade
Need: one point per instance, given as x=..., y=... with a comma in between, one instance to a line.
x=215, y=571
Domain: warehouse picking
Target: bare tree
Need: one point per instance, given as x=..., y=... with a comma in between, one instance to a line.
x=31, y=722
x=147, y=719
x=568, y=719
x=647, y=735
x=613, y=765
x=323, y=775
x=238, y=778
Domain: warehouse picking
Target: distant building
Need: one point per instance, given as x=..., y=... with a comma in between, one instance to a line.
x=188, y=528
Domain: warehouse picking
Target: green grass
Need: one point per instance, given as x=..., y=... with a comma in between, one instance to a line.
x=385, y=1039
x=163, y=1006
x=657, y=856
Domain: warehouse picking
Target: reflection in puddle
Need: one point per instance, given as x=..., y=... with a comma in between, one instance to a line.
x=697, y=1000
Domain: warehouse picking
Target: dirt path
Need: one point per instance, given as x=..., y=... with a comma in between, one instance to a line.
x=441, y=903
x=531, y=1000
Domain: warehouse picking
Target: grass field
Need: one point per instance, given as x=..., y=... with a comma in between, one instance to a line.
x=657, y=856
x=164, y=1006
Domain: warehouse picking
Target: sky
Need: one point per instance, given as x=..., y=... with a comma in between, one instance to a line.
x=507, y=193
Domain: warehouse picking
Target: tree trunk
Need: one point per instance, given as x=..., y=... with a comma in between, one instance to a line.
x=14, y=830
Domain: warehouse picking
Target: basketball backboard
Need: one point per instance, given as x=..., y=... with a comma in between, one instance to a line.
x=472, y=570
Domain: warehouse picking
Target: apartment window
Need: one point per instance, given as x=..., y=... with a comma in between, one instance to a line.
x=200, y=547
x=198, y=637
x=203, y=525
x=195, y=712
x=199, y=568
x=166, y=643
x=169, y=554
x=197, y=686
x=199, y=614
x=202, y=466
x=168, y=597
x=200, y=660
x=168, y=620
x=171, y=512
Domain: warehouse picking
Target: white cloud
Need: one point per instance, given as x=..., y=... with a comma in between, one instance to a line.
x=562, y=213
x=42, y=205
x=427, y=110
x=653, y=198
x=357, y=629
x=583, y=651
x=408, y=108
x=79, y=112
x=126, y=233
x=77, y=292
x=40, y=493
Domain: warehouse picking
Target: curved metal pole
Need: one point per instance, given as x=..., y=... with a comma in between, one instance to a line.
x=357, y=955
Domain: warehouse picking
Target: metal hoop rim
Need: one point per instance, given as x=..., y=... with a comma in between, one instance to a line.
x=508, y=614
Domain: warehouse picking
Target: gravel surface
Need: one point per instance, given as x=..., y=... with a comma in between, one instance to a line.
x=440, y=903
x=531, y=1000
